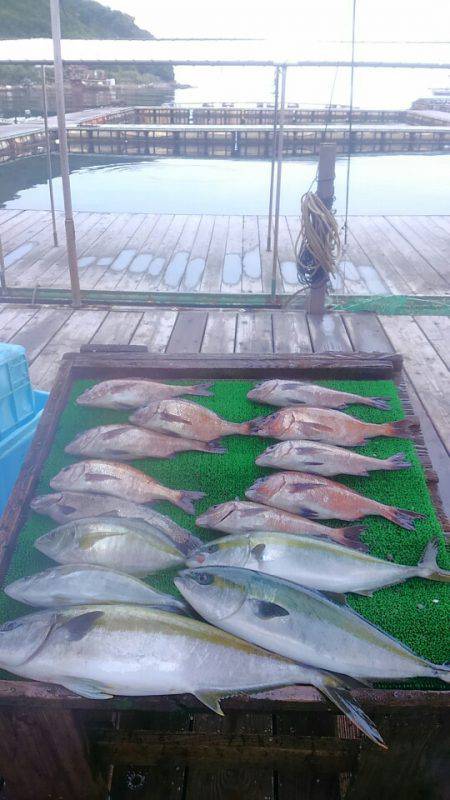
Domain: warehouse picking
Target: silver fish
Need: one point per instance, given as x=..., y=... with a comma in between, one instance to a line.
x=190, y=420
x=127, y=442
x=326, y=425
x=314, y=562
x=325, y=459
x=120, y=480
x=239, y=516
x=125, y=394
x=319, y=498
x=289, y=393
x=301, y=624
x=70, y=506
x=128, y=545
x=101, y=651
x=78, y=584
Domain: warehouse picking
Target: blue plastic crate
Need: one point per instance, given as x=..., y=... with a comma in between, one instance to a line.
x=16, y=392
x=14, y=448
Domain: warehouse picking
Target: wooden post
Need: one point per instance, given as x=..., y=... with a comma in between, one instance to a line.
x=325, y=190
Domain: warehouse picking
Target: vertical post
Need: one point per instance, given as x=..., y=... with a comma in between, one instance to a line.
x=63, y=154
x=274, y=150
x=2, y=270
x=280, y=140
x=325, y=190
x=49, y=157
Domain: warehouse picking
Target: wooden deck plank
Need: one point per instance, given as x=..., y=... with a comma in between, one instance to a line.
x=426, y=370
x=118, y=327
x=287, y=259
x=366, y=333
x=372, y=244
x=164, y=252
x=266, y=257
x=369, y=274
x=232, y=263
x=12, y=320
x=254, y=332
x=328, y=333
x=420, y=239
x=187, y=334
x=251, y=258
x=290, y=332
x=220, y=332
x=177, y=264
x=212, y=276
x=437, y=331
x=40, y=330
x=154, y=329
x=195, y=269
x=78, y=329
x=125, y=253
x=137, y=281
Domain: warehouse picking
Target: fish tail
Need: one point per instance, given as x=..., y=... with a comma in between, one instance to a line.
x=255, y=425
x=428, y=566
x=443, y=672
x=185, y=500
x=402, y=429
x=397, y=462
x=378, y=402
x=338, y=692
x=351, y=534
x=401, y=516
x=242, y=428
x=201, y=389
x=212, y=447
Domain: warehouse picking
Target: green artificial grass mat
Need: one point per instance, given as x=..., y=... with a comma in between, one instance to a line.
x=416, y=612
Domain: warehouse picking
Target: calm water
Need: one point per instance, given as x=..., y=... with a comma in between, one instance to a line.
x=385, y=184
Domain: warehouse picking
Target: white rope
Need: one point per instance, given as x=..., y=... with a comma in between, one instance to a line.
x=318, y=244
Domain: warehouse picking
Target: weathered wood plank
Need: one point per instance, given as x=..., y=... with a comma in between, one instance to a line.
x=212, y=276
x=177, y=264
x=40, y=329
x=12, y=319
x=328, y=333
x=220, y=332
x=154, y=329
x=251, y=259
x=195, y=269
x=266, y=256
x=232, y=263
x=366, y=333
x=117, y=328
x=372, y=243
x=290, y=332
x=437, y=331
x=254, y=332
x=187, y=334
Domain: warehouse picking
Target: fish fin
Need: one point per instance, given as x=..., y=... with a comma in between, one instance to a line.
x=338, y=692
x=265, y=610
x=210, y=700
x=443, y=672
x=252, y=512
x=402, y=517
x=403, y=428
x=67, y=509
x=429, y=566
x=86, y=688
x=303, y=511
x=313, y=463
x=364, y=592
x=352, y=533
x=258, y=551
x=314, y=427
x=168, y=417
x=301, y=487
x=213, y=447
x=257, y=424
x=77, y=627
x=186, y=501
x=379, y=402
x=336, y=597
x=202, y=389
x=117, y=431
x=95, y=477
x=397, y=462
x=120, y=405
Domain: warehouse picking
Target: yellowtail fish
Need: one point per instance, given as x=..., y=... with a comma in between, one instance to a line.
x=71, y=506
x=120, y=480
x=124, y=394
x=314, y=562
x=290, y=393
x=327, y=426
x=319, y=498
x=325, y=459
x=79, y=584
x=101, y=651
x=182, y=418
x=302, y=624
x=239, y=516
x=127, y=442
x=131, y=546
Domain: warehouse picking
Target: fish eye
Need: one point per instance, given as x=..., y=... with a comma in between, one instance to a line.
x=9, y=626
x=203, y=578
x=213, y=548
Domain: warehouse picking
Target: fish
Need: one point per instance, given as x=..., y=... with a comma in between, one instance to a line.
x=79, y=584
x=239, y=516
x=327, y=426
x=319, y=498
x=326, y=459
x=190, y=420
x=315, y=563
x=121, y=480
x=302, y=624
x=65, y=507
x=130, y=546
x=291, y=393
x=125, y=394
x=101, y=651
x=127, y=442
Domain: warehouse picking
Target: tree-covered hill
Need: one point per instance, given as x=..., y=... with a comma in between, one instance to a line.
x=80, y=19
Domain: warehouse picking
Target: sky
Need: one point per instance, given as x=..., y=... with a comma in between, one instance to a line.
x=386, y=20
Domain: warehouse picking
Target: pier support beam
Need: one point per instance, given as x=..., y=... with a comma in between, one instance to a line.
x=274, y=153
x=280, y=141
x=63, y=154
x=49, y=156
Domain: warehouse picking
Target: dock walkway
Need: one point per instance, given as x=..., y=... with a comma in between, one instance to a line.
x=174, y=253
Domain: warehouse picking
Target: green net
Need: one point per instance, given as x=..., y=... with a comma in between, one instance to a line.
x=392, y=305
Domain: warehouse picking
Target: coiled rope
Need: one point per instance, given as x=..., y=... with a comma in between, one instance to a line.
x=318, y=244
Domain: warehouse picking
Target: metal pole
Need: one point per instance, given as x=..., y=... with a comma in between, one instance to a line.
x=63, y=153
x=274, y=150
x=280, y=140
x=2, y=270
x=49, y=158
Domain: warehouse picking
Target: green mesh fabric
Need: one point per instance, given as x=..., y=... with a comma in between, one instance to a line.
x=416, y=612
x=393, y=305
